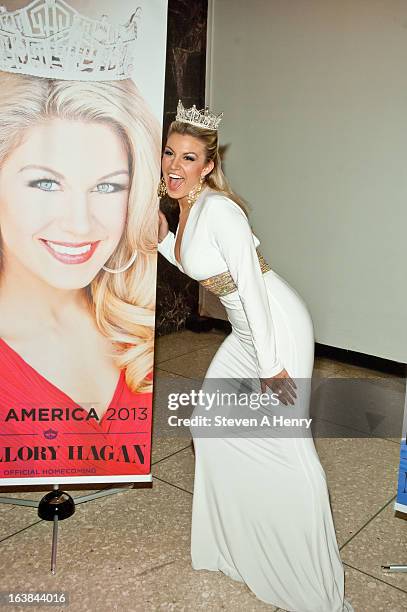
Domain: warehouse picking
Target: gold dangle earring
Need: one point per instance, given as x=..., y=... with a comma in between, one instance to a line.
x=162, y=189
x=194, y=193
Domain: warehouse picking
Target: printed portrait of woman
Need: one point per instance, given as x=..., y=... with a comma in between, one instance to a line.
x=79, y=165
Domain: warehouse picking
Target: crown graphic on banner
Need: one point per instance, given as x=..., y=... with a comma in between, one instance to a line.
x=199, y=118
x=48, y=38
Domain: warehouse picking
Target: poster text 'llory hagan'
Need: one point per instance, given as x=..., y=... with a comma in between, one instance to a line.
x=134, y=453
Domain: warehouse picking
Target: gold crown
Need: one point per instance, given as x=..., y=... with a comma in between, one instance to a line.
x=199, y=118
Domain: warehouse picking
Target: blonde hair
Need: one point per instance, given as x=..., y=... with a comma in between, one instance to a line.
x=216, y=179
x=123, y=304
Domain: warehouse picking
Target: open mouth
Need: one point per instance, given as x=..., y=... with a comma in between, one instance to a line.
x=69, y=252
x=174, y=182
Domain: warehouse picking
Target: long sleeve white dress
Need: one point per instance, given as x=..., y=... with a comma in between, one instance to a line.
x=261, y=510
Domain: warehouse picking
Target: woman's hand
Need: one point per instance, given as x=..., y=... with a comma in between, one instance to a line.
x=282, y=385
x=162, y=226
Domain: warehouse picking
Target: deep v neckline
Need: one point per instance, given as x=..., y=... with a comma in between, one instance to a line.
x=181, y=239
x=193, y=207
x=17, y=357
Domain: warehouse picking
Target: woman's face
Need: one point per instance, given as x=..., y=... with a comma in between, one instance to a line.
x=63, y=202
x=183, y=164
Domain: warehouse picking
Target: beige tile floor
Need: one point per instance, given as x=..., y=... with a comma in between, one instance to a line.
x=131, y=551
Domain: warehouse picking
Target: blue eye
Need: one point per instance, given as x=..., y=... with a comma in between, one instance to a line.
x=109, y=187
x=105, y=188
x=45, y=184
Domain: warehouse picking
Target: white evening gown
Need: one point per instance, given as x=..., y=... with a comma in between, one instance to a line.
x=261, y=510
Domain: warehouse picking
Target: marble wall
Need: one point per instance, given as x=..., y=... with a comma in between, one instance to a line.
x=177, y=295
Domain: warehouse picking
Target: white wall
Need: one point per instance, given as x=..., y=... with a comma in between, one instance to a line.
x=315, y=100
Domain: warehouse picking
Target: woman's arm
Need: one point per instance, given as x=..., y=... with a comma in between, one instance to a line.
x=234, y=238
x=166, y=247
x=166, y=239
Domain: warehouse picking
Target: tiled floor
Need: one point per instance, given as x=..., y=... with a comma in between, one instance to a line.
x=131, y=551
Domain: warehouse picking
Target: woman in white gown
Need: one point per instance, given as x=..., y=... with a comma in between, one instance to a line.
x=261, y=510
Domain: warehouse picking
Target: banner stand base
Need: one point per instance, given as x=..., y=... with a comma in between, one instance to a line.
x=394, y=568
x=57, y=505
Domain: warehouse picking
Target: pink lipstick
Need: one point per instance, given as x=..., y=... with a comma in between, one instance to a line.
x=70, y=252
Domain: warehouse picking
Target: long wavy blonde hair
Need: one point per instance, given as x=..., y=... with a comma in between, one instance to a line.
x=123, y=304
x=216, y=179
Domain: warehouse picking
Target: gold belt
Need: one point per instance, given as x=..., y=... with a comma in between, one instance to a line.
x=223, y=283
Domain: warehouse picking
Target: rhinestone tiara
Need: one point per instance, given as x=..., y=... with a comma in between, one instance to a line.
x=199, y=118
x=48, y=38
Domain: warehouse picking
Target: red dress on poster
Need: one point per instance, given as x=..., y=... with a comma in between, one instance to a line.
x=44, y=433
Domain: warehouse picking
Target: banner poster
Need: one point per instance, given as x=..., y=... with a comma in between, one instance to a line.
x=81, y=105
x=401, y=500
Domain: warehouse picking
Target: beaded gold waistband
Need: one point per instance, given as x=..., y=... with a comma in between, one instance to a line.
x=223, y=283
